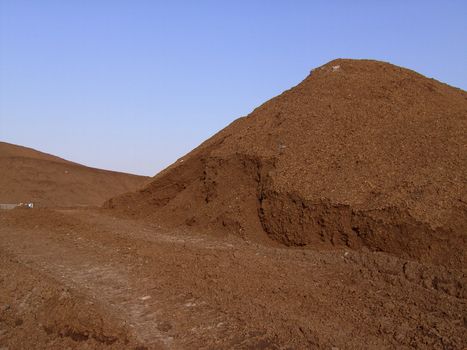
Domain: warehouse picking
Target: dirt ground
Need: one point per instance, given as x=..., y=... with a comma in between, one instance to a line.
x=83, y=279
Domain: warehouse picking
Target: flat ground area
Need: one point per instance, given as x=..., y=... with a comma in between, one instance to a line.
x=83, y=279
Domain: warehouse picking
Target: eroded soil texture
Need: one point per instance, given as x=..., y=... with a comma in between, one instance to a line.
x=81, y=279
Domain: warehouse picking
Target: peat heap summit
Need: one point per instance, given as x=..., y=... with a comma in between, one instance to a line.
x=360, y=154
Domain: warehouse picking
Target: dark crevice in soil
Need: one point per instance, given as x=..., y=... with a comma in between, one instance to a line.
x=294, y=221
x=80, y=335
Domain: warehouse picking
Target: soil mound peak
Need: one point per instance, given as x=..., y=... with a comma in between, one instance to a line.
x=361, y=153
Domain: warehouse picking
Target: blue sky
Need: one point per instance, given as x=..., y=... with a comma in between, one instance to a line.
x=133, y=85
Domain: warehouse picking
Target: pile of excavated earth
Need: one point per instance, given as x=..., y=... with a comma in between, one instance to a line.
x=334, y=216
x=30, y=176
x=360, y=154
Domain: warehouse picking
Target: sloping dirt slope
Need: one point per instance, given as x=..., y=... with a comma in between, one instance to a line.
x=361, y=153
x=30, y=176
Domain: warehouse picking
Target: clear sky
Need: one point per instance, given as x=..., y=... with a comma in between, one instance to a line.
x=133, y=85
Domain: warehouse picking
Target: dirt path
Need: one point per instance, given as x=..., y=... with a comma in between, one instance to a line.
x=104, y=281
x=131, y=285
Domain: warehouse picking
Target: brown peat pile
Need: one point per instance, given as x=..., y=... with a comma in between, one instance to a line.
x=360, y=154
x=27, y=175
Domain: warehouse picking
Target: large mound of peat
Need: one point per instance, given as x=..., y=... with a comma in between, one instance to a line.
x=361, y=153
x=28, y=175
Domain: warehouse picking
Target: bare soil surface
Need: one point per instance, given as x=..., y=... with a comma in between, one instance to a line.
x=82, y=279
x=28, y=175
x=332, y=217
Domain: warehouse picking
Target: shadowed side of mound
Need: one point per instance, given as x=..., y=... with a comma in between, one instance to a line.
x=360, y=154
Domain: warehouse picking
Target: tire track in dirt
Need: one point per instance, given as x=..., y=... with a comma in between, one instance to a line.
x=108, y=283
